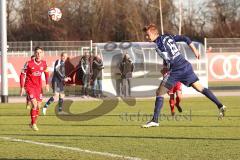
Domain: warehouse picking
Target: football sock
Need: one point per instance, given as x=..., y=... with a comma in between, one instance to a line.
x=60, y=104
x=172, y=103
x=212, y=97
x=157, y=109
x=50, y=100
x=178, y=99
x=33, y=116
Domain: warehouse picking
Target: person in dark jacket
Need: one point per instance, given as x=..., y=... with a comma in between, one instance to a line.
x=85, y=67
x=97, y=67
x=126, y=68
x=58, y=80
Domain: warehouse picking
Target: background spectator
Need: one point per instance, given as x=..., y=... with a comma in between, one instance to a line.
x=97, y=67
x=126, y=68
x=85, y=66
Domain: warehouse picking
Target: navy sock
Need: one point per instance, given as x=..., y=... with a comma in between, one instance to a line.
x=157, y=109
x=50, y=100
x=60, y=104
x=212, y=97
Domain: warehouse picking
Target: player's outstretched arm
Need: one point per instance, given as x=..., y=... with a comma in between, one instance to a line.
x=195, y=51
x=181, y=38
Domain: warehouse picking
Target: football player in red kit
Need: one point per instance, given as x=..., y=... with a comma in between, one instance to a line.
x=28, y=101
x=178, y=90
x=33, y=83
x=175, y=89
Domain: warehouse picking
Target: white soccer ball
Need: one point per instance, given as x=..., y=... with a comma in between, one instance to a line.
x=55, y=14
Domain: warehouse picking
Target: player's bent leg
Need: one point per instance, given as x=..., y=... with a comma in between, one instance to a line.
x=172, y=103
x=50, y=101
x=178, y=100
x=38, y=107
x=222, y=109
x=33, y=114
x=161, y=91
x=60, y=104
x=61, y=95
x=60, y=101
x=158, y=105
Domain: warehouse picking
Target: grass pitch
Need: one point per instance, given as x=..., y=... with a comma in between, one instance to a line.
x=194, y=134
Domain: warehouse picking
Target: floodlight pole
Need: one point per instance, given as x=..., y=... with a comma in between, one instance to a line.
x=180, y=17
x=4, y=78
x=161, y=18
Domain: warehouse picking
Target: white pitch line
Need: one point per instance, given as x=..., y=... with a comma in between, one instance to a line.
x=71, y=148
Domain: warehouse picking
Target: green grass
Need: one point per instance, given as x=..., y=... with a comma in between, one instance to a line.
x=223, y=84
x=76, y=90
x=200, y=137
x=69, y=90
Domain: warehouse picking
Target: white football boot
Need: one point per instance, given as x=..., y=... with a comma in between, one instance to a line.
x=34, y=127
x=222, y=112
x=150, y=124
x=44, y=111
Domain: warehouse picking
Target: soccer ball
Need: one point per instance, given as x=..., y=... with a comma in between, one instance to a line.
x=55, y=14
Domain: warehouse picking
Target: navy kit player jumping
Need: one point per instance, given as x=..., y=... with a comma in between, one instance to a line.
x=179, y=70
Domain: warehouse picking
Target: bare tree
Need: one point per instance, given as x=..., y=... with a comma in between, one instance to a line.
x=99, y=20
x=225, y=18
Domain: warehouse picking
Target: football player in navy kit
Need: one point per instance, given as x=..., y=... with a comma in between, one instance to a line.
x=179, y=70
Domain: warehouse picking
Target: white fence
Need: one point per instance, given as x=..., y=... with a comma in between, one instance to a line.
x=25, y=48
x=222, y=45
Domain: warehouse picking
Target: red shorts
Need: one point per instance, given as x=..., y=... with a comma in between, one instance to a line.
x=177, y=87
x=34, y=93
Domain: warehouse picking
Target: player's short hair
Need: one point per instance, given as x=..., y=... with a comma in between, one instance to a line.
x=37, y=48
x=152, y=27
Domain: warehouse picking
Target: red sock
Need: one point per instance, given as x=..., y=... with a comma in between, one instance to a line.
x=33, y=116
x=178, y=99
x=172, y=103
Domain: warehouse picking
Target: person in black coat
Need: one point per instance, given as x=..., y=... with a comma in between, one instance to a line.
x=97, y=67
x=126, y=68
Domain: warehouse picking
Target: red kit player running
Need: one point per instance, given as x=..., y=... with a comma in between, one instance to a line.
x=28, y=101
x=176, y=89
x=33, y=83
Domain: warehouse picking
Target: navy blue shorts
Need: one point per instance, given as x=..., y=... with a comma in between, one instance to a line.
x=184, y=75
x=58, y=87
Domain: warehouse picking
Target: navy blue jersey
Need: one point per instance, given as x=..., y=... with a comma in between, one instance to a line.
x=167, y=49
x=59, y=71
x=179, y=68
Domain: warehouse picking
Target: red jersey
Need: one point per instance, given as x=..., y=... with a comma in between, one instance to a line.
x=33, y=71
